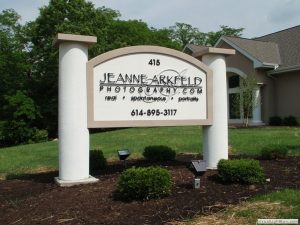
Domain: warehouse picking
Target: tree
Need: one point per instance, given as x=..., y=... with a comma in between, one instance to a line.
x=18, y=114
x=213, y=37
x=186, y=34
x=136, y=32
x=13, y=57
x=78, y=17
x=161, y=37
x=19, y=128
x=247, y=87
x=61, y=16
x=29, y=62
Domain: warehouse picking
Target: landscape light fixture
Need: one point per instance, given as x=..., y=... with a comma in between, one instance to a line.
x=198, y=168
x=123, y=155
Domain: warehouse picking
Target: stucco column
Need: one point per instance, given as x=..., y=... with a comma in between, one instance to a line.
x=215, y=137
x=256, y=112
x=72, y=110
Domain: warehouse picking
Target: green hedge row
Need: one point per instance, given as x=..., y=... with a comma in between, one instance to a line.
x=286, y=121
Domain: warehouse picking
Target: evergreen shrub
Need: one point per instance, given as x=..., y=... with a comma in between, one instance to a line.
x=274, y=152
x=144, y=183
x=97, y=160
x=290, y=121
x=159, y=153
x=275, y=121
x=40, y=136
x=245, y=171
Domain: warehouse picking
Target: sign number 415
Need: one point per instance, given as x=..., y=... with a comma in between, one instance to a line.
x=154, y=62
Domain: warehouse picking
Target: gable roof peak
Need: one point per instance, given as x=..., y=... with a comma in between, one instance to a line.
x=262, y=53
x=288, y=41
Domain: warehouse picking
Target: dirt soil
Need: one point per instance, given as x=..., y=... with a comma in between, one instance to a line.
x=36, y=199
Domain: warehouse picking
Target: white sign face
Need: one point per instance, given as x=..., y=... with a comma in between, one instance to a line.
x=147, y=89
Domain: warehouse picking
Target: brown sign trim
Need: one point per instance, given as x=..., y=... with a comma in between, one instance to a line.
x=60, y=37
x=145, y=123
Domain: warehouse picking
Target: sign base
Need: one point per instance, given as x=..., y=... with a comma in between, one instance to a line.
x=69, y=183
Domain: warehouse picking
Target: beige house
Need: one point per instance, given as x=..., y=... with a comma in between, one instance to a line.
x=274, y=60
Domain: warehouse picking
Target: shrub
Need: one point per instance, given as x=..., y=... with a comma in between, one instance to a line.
x=290, y=121
x=21, y=116
x=298, y=120
x=245, y=171
x=40, y=136
x=97, y=160
x=17, y=132
x=144, y=183
x=275, y=121
x=274, y=152
x=159, y=153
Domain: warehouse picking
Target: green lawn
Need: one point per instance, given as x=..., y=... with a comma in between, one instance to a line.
x=287, y=197
x=44, y=156
x=250, y=141
x=181, y=139
x=283, y=204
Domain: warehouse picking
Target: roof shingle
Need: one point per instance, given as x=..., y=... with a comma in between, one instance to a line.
x=281, y=48
x=288, y=42
x=265, y=52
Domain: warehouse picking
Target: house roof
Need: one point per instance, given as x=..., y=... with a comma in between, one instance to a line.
x=279, y=50
x=288, y=42
x=264, y=52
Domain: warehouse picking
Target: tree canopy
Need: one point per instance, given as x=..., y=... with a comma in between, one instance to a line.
x=13, y=58
x=29, y=61
x=186, y=34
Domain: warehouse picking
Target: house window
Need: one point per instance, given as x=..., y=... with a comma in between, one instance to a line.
x=234, y=98
x=234, y=106
x=234, y=81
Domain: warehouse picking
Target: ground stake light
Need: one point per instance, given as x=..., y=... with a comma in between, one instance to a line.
x=123, y=155
x=198, y=168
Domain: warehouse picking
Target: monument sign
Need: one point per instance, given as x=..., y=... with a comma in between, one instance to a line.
x=133, y=87
x=148, y=86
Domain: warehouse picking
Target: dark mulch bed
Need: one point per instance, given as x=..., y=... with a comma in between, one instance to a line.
x=37, y=200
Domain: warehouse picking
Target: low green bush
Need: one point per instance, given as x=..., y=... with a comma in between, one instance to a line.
x=246, y=171
x=290, y=121
x=40, y=136
x=144, y=183
x=97, y=160
x=17, y=132
x=275, y=121
x=298, y=120
x=21, y=119
x=274, y=152
x=159, y=153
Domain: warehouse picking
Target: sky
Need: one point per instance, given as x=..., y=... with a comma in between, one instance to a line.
x=258, y=17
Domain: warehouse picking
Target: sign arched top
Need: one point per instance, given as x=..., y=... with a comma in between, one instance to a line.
x=148, y=86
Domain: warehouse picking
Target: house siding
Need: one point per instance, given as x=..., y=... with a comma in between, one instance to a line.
x=238, y=61
x=288, y=94
x=280, y=92
x=268, y=94
x=244, y=64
